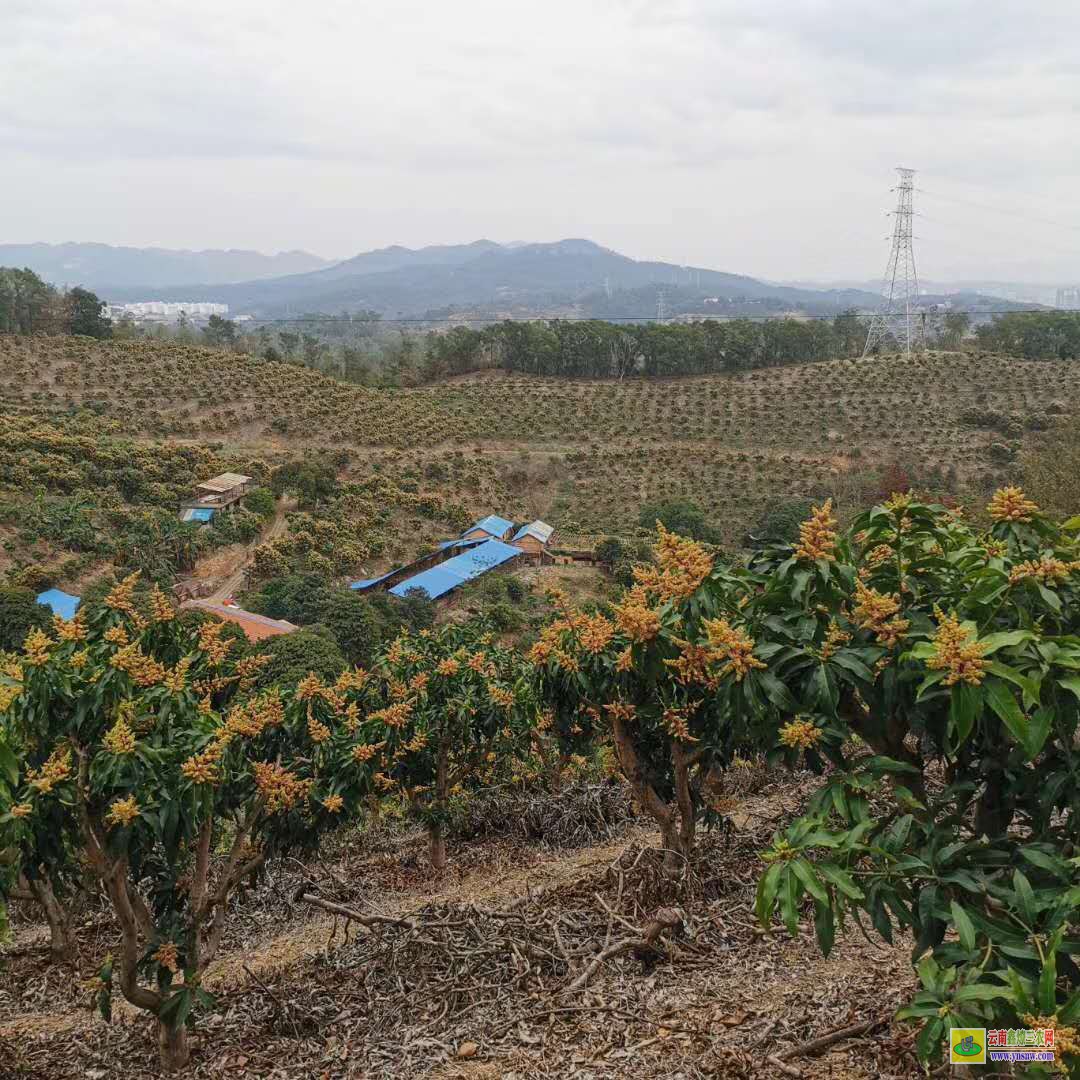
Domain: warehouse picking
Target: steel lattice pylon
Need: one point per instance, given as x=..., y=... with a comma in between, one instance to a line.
x=899, y=319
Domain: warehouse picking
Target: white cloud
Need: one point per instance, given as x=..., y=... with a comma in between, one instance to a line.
x=753, y=137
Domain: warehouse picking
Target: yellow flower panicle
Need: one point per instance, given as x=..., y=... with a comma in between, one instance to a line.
x=281, y=789
x=21, y=810
x=117, y=635
x=212, y=643
x=504, y=699
x=395, y=716
x=36, y=648
x=202, y=768
x=817, y=535
x=835, y=636
x=162, y=608
x=447, y=667
x=55, y=770
x=956, y=652
x=122, y=812
x=800, y=734
x=625, y=660
x=142, y=669
x=595, y=633
x=1011, y=504
x=119, y=739
x=69, y=629
x=1046, y=569
x=122, y=596
x=317, y=730
x=732, y=646
x=365, y=752
x=637, y=620
x=676, y=723
x=681, y=566
x=333, y=804
x=167, y=957
x=877, y=612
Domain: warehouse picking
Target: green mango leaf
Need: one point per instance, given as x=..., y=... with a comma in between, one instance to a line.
x=1048, y=985
x=1026, y=895
x=964, y=927
x=824, y=927
x=1029, y=686
x=964, y=709
x=806, y=875
x=1000, y=699
x=766, y=892
x=992, y=642
x=840, y=879
x=982, y=992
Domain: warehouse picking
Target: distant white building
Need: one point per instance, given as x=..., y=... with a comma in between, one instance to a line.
x=166, y=311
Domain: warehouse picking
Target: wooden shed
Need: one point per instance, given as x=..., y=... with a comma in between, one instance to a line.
x=534, y=539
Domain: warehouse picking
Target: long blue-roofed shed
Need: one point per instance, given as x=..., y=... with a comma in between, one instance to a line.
x=467, y=566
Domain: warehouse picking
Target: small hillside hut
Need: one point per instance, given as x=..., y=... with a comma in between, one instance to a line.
x=534, y=539
x=492, y=527
x=221, y=492
x=255, y=626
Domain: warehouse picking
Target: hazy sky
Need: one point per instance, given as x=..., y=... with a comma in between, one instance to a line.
x=756, y=136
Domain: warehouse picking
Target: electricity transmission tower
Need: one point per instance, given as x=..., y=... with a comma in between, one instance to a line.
x=898, y=319
x=661, y=306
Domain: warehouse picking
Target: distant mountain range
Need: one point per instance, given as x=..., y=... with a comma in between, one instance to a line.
x=490, y=279
x=483, y=278
x=103, y=268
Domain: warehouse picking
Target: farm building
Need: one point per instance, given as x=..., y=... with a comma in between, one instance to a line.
x=445, y=577
x=492, y=527
x=534, y=539
x=218, y=493
x=60, y=603
x=443, y=552
x=255, y=626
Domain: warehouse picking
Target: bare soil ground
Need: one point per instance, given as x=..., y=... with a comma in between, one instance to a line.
x=482, y=982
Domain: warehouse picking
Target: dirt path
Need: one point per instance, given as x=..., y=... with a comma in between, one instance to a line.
x=277, y=527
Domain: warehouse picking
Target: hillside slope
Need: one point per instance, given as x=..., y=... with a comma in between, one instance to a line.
x=586, y=454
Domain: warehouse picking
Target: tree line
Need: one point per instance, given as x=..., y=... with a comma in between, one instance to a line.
x=29, y=305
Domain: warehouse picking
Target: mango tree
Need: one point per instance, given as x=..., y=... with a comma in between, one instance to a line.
x=141, y=736
x=936, y=665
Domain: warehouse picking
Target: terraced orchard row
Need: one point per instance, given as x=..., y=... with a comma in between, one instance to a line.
x=731, y=442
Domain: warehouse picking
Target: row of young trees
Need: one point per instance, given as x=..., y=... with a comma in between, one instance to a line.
x=930, y=667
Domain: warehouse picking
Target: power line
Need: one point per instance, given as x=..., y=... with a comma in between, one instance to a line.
x=998, y=209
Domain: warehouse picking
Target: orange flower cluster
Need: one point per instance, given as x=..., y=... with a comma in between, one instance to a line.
x=625, y=660
x=21, y=810
x=119, y=739
x=956, y=652
x=351, y=680
x=692, y=664
x=817, y=535
x=800, y=734
x=142, y=669
x=56, y=770
x=417, y=743
x=176, y=680
x=734, y=647
x=835, y=636
x=122, y=812
x=882, y=553
x=69, y=629
x=637, y=620
x=317, y=730
x=1046, y=569
x=212, y=643
x=280, y=788
x=122, y=597
x=621, y=710
x=308, y=687
x=418, y=683
x=7, y=695
x=1065, y=1038
x=1011, y=504
x=877, y=613
x=394, y=716
x=161, y=607
x=333, y=803
x=365, y=752
x=447, y=667
x=167, y=957
x=504, y=699
x=117, y=635
x=595, y=633
x=681, y=566
x=481, y=665
x=202, y=768
x=676, y=723
x=36, y=648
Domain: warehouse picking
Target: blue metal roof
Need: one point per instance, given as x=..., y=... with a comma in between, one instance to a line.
x=367, y=583
x=440, y=579
x=444, y=544
x=63, y=604
x=493, y=524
